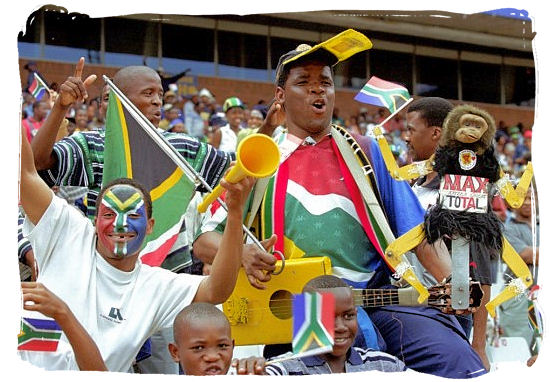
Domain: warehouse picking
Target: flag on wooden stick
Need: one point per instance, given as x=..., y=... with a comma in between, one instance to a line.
x=38, y=87
x=133, y=152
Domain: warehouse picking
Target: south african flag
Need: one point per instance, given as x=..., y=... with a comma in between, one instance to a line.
x=313, y=323
x=38, y=335
x=383, y=93
x=38, y=88
x=130, y=152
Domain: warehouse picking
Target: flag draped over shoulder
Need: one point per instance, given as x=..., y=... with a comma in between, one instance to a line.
x=383, y=93
x=313, y=323
x=38, y=88
x=131, y=153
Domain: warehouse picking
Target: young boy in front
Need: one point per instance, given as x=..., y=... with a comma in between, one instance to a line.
x=203, y=344
x=344, y=358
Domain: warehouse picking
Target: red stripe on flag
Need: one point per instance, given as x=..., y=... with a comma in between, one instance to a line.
x=327, y=312
x=359, y=205
x=39, y=345
x=383, y=84
x=155, y=258
x=281, y=184
x=216, y=204
x=33, y=86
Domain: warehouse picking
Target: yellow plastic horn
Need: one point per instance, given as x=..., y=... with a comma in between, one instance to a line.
x=257, y=156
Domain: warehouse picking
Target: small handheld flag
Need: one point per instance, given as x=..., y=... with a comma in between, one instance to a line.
x=38, y=88
x=38, y=335
x=383, y=93
x=313, y=325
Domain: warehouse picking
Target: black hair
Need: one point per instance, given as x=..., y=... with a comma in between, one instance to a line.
x=320, y=55
x=133, y=183
x=324, y=282
x=197, y=311
x=433, y=110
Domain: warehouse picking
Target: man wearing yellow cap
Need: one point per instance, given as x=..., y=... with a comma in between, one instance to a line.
x=336, y=194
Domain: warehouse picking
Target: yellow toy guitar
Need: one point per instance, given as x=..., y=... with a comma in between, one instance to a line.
x=265, y=316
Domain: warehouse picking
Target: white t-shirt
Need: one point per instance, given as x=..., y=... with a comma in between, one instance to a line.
x=120, y=310
x=228, y=141
x=427, y=196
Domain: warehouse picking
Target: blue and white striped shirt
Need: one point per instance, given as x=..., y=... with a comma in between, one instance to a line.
x=358, y=359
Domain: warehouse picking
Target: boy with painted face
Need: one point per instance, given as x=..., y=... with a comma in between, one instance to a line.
x=97, y=272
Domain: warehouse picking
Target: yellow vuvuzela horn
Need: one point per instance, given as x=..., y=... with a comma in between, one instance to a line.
x=257, y=156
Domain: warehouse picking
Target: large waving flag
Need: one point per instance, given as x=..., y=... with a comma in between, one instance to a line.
x=313, y=323
x=131, y=152
x=383, y=93
x=38, y=88
x=38, y=335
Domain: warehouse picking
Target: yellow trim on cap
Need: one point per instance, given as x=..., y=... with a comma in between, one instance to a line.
x=342, y=46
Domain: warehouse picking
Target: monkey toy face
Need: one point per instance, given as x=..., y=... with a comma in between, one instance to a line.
x=471, y=128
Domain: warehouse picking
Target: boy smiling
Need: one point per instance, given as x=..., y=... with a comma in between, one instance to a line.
x=344, y=358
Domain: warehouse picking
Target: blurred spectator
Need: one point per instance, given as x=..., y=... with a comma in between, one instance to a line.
x=94, y=122
x=170, y=97
x=336, y=120
x=400, y=142
x=207, y=104
x=81, y=119
x=31, y=124
x=176, y=126
x=521, y=147
x=170, y=113
x=255, y=119
x=26, y=107
x=205, y=96
x=254, y=123
x=31, y=68
x=194, y=123
x=502, y=127
x=352, y=126
x=381, y=115
x=216, y=121
x=246, y=116
x=363, y=113
x=189, y=105
x=518, y=230
x=225, y=138
x=499, y=208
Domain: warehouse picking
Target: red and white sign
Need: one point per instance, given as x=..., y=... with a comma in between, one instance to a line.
x=464, y=193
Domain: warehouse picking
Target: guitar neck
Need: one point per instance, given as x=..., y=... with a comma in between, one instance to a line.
x=372, y=298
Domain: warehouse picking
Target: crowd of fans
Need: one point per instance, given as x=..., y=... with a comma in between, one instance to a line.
x=203, y=116
x=200, y=115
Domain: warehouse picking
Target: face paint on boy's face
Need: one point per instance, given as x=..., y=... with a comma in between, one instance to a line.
x=121, y=220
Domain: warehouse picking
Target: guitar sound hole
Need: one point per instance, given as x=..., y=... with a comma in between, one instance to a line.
x=280, y=304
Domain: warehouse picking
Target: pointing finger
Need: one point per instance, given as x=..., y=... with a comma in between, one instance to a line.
x=79, y=68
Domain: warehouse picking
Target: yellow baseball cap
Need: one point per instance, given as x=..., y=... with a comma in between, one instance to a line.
x=335, y=49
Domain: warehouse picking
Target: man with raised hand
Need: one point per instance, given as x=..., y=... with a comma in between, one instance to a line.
x=97, y=272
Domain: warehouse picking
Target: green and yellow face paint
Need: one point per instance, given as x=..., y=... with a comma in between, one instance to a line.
x=121, y=222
